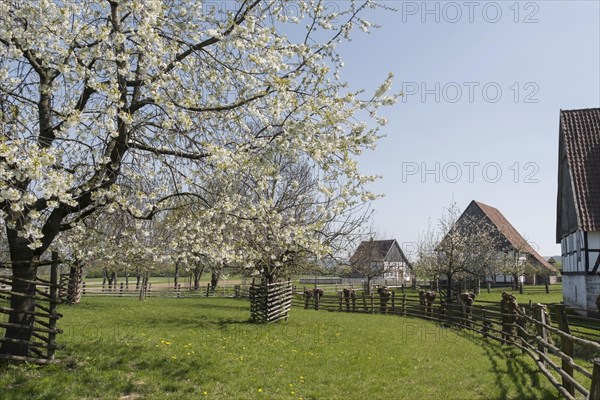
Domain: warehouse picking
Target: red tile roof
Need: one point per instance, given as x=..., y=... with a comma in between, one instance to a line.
x=510, y=233
x=581, y=133
x=374, y=251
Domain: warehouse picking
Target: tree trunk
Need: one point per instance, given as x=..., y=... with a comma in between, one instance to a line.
x=24, y=267
x=112, y=282
x=449, y=288
x=104, y=278
x=75, y=282
x=214, y=279
x=197, y=275
x=269, y=277
x=138, y=277
x=176, y=276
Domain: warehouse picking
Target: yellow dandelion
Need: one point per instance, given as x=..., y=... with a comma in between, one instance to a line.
x=259, y=390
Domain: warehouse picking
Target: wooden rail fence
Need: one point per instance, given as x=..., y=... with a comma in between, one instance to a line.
x=552, y=345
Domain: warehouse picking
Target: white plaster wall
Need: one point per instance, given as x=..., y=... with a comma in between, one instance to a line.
x=575, y=290
x=574, y=242
x=594, y=240
x=593, y=290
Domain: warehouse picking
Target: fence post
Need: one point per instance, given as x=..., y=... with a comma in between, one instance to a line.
x=539, y=314
x=54, y=299
x=566, y=345
x=121, y=290
x=306, y=299
x=252, y=302
x=207, y=289
x=393, y=301
x=547, y=288
x=485, y=325
x=595, y=390
x=403, y=303
x=489, y=286
x=364, y=300
x=340, y=300
x=522, y=323
x=372, y=303
x=441, y=311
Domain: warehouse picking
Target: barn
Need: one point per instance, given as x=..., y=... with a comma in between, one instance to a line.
x=578, y=205
x=510, y=242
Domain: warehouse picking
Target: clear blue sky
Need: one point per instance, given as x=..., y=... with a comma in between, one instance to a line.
x=546, y=61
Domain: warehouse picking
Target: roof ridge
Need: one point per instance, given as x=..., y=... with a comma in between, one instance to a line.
x=510, y=233
x=580, y=109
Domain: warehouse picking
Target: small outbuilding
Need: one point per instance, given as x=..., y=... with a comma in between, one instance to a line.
x=551, y=260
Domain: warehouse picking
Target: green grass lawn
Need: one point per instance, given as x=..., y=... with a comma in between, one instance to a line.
x=537, y=294
x=120, y=348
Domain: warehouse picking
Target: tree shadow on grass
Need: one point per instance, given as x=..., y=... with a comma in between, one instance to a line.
x=196, y=316
x=505, y=361
x=241, y=307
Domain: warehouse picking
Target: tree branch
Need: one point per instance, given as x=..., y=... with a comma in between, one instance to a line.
x=167, y=152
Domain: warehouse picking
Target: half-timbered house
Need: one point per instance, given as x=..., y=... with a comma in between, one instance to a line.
x=381, y=259
x=578, y=205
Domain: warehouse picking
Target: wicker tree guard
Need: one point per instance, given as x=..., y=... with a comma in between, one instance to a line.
x=270, y=302
x=42, y=344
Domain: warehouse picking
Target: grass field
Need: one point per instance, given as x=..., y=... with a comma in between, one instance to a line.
x=537, y=294
x=120, y=348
